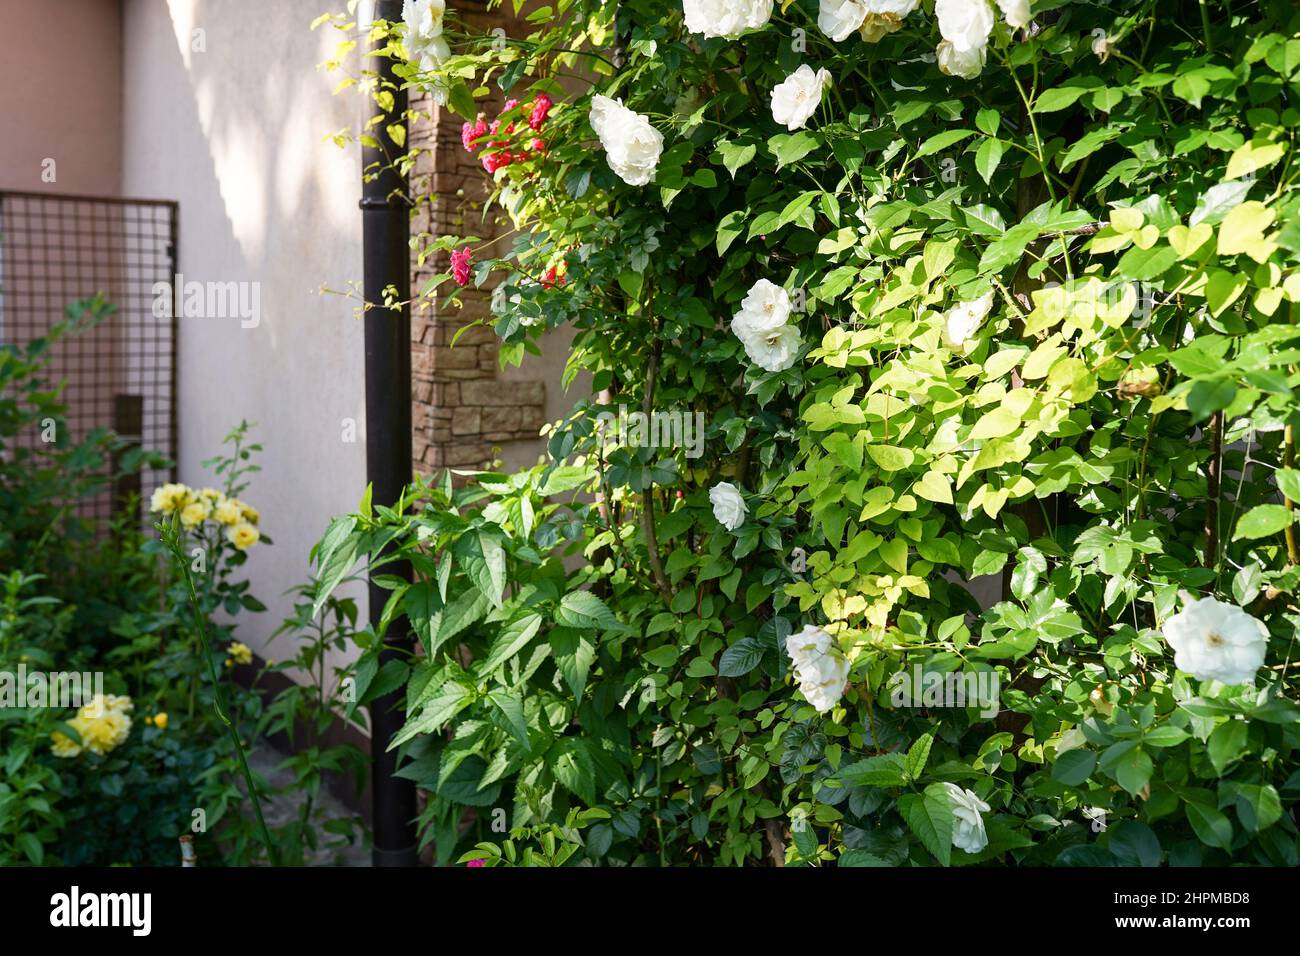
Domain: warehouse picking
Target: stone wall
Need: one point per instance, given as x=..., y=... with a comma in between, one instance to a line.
x=464, y=415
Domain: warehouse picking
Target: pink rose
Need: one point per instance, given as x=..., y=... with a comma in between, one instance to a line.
x=460, y=266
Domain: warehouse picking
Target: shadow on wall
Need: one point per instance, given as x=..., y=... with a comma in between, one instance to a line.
x=227, y=113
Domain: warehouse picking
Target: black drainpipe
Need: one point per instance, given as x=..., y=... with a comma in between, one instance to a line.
x=387, y=231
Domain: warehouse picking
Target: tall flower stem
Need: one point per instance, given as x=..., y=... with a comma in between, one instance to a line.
x=1213, y=476
x=171, y=539
x=1288, y=460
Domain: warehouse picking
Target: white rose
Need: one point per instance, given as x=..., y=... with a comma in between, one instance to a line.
x=762, y=327
x=967, y=824
x=632, y=145
x=433, y=55
x=1016, y=12
x=891, y=8
x=966, y=65
x=726, y=18
x=966, y=24
x=1217, y=641
x=885, y=17
x=795, y=99
x=764, y=309
x=819, y=667
x=838, y=18
x=773, y=351
x=728, y=505
x=962, y=321
x=424, y=29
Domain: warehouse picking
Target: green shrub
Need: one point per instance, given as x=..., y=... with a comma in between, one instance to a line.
x=1013, y=301
x=80, y=788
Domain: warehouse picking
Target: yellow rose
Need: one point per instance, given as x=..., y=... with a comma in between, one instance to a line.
x=228, y=513
x=240, y=653
x=102, y=724
x=169, y=498
x=105, y=733
x=62, y=746
x=251, y=514
x=195, y=513
x=212, y=496
x=160, y=720
x=243, y=535
x=103, y=703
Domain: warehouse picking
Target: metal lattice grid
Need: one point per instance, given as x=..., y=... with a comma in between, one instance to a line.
x=121, y=375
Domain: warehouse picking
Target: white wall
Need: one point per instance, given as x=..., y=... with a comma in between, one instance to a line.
x=237, y=134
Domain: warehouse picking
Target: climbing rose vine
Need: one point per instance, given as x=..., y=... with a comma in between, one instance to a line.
x=988, y=311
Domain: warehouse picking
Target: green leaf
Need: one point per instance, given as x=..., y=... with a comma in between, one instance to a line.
x=886, y=770
x=582, y=609
x=1212, y=827
x=936, y=487
x=891, y=457
x=1059, y=98
x=564, y=478
x=1243, y=230
x=740, y=658
x=1166, y=735
x=664, y=656
x=450, y=700
x=1247, y=583
x=1218, y=201
x=1073, y=767
x=997, y=423
x=494, y=558
x=929, y=816
x=1262, y=521
x=335, y=555
x=1254, y=157
x=465, y=610
x=1009, y=247
x=512, y=638
x=574, y=654
x=1223, y=289
x=731, y=226
x=31, y=847
x=860, y=858
x=511, y=708
x=918, y=755
x=1206, y=397
x=1288, y=482
x=1258, y=807
x=1087, y=145
x=735, y=155
x=985, y=220
x=941, y=141
x=1227, y=743
x=574, y=768
x=792, y=147
x=987, y=158
x=1128, y=764
x=1135, y=844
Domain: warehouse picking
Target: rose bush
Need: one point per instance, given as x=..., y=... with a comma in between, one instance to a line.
x=994, y=329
